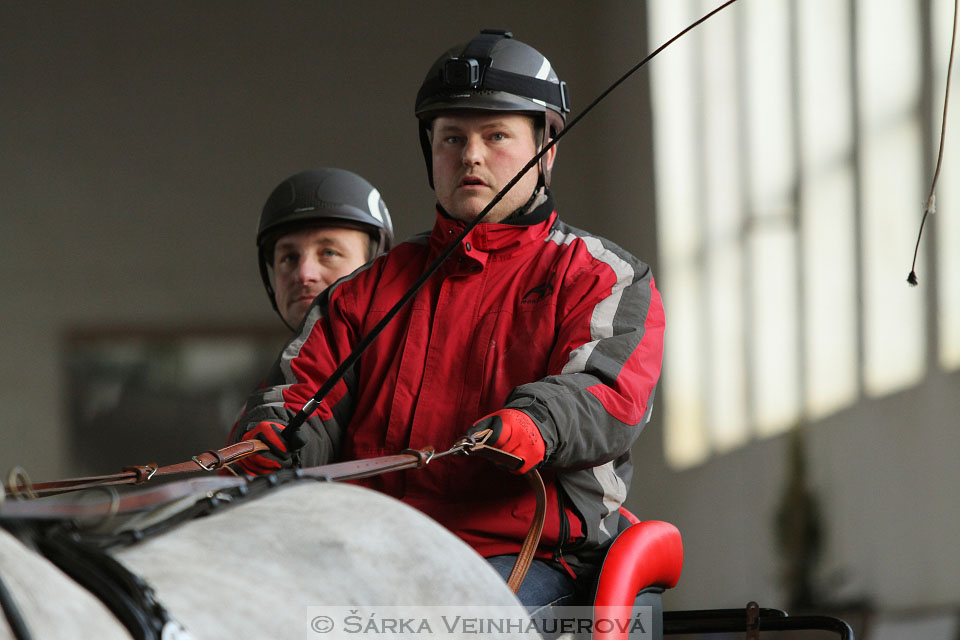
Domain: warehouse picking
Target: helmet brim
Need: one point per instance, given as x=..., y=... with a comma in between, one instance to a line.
x=479, y=101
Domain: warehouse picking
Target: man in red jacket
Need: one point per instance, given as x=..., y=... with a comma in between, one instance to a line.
x=547, y=335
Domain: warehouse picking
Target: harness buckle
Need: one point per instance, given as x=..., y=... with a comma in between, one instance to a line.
x=216, y=464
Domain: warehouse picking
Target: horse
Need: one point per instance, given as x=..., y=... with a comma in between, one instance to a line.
x=256, y=567
x=292, y=555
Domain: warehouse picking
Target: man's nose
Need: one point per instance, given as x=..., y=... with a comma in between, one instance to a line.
x=472, y=153
x=308, y=270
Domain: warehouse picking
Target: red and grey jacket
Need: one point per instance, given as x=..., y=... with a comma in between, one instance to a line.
x=531, y=315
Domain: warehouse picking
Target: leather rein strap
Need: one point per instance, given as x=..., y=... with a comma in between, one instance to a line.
x=532, y=539
x=211, y=461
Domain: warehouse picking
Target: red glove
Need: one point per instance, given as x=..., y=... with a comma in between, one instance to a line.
x=266, y=462
x=515, y=432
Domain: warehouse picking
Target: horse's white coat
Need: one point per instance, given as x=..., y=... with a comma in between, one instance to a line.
x=261, y=564
x=53, y=605
x=252, y=570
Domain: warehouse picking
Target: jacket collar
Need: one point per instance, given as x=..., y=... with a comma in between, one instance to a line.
x=497, y=236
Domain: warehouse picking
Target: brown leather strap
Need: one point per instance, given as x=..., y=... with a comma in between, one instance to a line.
x=207, y=461
x=355, y=469
x=532, y=539
x=110, y=502
x=217, y=459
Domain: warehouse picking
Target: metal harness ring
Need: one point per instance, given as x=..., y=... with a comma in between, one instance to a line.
x=20, y=485
x=144, y=472
x=111, y=512
x=423, y=456
x=468, y=442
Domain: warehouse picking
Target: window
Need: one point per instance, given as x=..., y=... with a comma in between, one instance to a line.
x=159, y=395
x=794, y=142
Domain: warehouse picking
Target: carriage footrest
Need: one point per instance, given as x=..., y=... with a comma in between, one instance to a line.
x=736, y=620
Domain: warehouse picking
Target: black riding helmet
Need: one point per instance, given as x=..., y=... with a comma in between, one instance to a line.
x=493, y=72
x=321, y=197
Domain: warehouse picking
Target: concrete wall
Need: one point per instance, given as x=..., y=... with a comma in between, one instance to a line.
x=140, y=140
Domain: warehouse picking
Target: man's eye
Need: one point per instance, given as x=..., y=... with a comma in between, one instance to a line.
x=498, y=136
x=452, y=139
x=330, y=253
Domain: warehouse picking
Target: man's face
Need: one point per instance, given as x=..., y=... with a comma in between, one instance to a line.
x=475, y=155
x=307, y=261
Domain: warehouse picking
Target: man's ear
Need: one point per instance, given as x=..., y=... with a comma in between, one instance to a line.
x=550, y=156
x=545, y=166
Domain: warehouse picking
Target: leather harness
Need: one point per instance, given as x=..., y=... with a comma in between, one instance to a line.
x=114, y=503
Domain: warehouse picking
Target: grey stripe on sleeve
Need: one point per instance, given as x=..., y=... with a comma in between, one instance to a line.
x=273, y=397
x=614, y=491
x=605, y=313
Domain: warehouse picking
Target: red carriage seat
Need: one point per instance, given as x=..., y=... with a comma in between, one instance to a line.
x=644, y=560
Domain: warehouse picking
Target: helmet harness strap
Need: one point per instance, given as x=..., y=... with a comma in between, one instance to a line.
x=265, y=276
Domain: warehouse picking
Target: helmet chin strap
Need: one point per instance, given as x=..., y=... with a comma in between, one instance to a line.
x=535, y=199
x=542, y=182
x=271, y=293
x=285, y=322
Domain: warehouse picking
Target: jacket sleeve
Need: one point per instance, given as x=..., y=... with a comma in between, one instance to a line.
x=323, y=340
x=606, y=361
